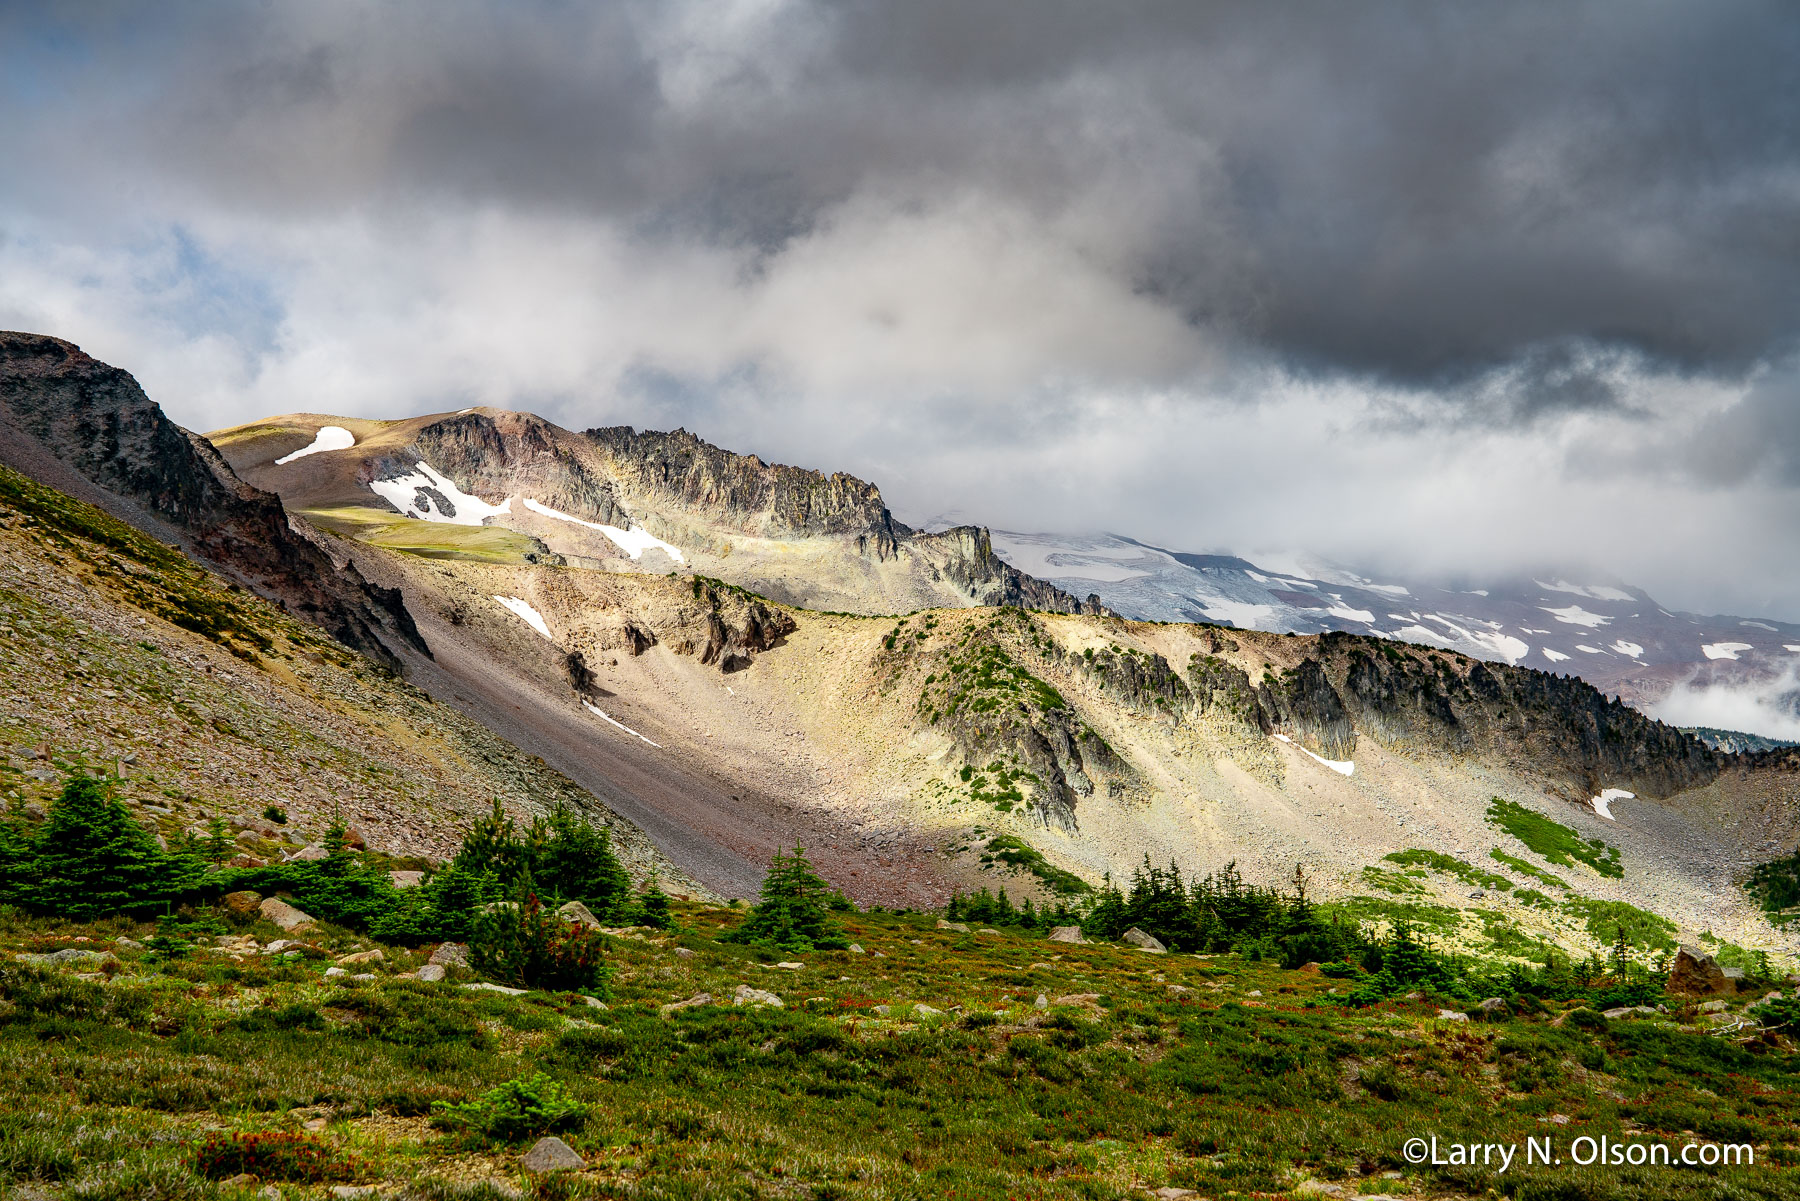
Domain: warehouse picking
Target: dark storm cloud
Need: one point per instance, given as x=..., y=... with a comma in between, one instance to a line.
x=1420, y=193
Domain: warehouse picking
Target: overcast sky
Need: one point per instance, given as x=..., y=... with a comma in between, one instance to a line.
x=1411, y=286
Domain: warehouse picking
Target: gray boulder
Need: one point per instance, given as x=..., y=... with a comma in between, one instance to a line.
x=551, y=1155
x=745, y=995
x=579, y=914
x=285, y=915
x=1697, y=974
x=959, y=927
x=1143, y=941
x=432, y=973
x=1066, y=934
x=693, y=1002
x=450, y=954
x=72, y=957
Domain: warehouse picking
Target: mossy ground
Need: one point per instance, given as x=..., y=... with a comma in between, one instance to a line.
x=1219, y=1075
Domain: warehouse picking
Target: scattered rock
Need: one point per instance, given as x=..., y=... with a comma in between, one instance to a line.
x=1318, y=1188
x=315, y=1124
x=132, y=944
x=285, y=915
x=882, y=1011
x=581, y=915
x=1255, y=992
x=244, y=904
x=354, y=839
x=791, y=966
x=1170, y=1193
x=1697, y=974
x=745, y=995
x=959, y=927
x=683, y=953
x=926, y=1012
x=354, y=1192
x=856, y=949
x=595, y=1003
x=1079, y=998
x=364, y=976
x=1042, y=1002
x=332, y=973
x=1712, y=1007
x=267, y=1192
x=374, y=956
x=1625, y=1011
x=311, y=853
x=987, y=930
x=698, y=999
x=484, y=986
x=551, y=1155
x=407, y=879
x=432, y=973
x=1066, y=934
x=1143, y=941
x=71, y=957
x=1494, y=1009
x=450, y=954
x=1451, y=1015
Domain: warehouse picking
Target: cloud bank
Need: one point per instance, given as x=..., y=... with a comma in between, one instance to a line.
x=1419, y=286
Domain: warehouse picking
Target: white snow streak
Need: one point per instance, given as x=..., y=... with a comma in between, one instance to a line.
x=1591, y=591
x=1603, y=803
x=1554, y=656
x=527, y=614
x=1629, y=649
x=1349, y=614
x=1724, y=650
x=633, y=542
x=404, y=493
x=330, y=437
x=597, y=712
x=1342, y=767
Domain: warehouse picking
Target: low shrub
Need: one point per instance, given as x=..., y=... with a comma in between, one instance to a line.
x=521, y=944
x=519, y=1109
x=271, y=1155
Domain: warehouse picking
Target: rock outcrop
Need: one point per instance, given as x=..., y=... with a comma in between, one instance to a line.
x=96, y=421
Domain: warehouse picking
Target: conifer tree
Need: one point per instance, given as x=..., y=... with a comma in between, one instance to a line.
x=217, y=847
x=794, y=913
x=92, y=858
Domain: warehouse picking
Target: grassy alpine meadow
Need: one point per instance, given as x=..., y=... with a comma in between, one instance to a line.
x=187, y=1060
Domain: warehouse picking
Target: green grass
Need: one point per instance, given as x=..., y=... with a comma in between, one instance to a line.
x=1168, y=1073
x=1016, y=853
x=1553, y=840
x=1524, y=868
x=1450, y=865
x=1604, y=920
x=1398, y=883
x=427, y=539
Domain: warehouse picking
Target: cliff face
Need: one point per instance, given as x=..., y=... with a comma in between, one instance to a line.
x=97, y=421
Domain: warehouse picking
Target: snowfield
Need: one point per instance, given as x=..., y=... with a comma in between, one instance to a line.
x=330, y=437
x=1554, y=656
x=1724, y=650
x=1591, y=591
x=1351, y=614
x=1630, y=650
x=412, y=494
x=525, y=613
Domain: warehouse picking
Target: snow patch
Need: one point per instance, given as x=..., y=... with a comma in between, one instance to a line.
x=1257, y=576
x=1724, y=650
x=1241, y=614
x=1554, y=656
x=1575, y=615
x=1629, y=649
x=1790, y=646
x=1761, y=625
x=1603, y=803
x=1349, y=614
x=330, y=437
x=1591, y=591
x=413, y=494
x=1588, y=650
x=1342, y=767
x=1388, y=589
x=633, y=542
x=525, y=613
x=598, y=712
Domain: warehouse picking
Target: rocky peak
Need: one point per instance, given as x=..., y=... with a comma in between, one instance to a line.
x=97, y=422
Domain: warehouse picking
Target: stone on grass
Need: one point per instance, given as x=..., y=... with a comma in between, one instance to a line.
x=856, y=949
x=1494, y=1009
x=791, y=966
x=745, y=995
x=959, y=927
x=1042, y=1002
x=1170, y=1193
x=1451, y=1015
x=484, y=986
x=926, y=1012
x=354, y=1192
x=698, y=999
x=1144, y=941
x=71, y=957
x=332, y=973
x=1697, y=974
x=374, y=956
x=551, y=1154
x=1067, y=934
x=432, y=973
x=311, y=853
x=684, y=953
x=284, y=914
x=450, y=954
x=581, y=915
x=407, y=879
x=595, y=1003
